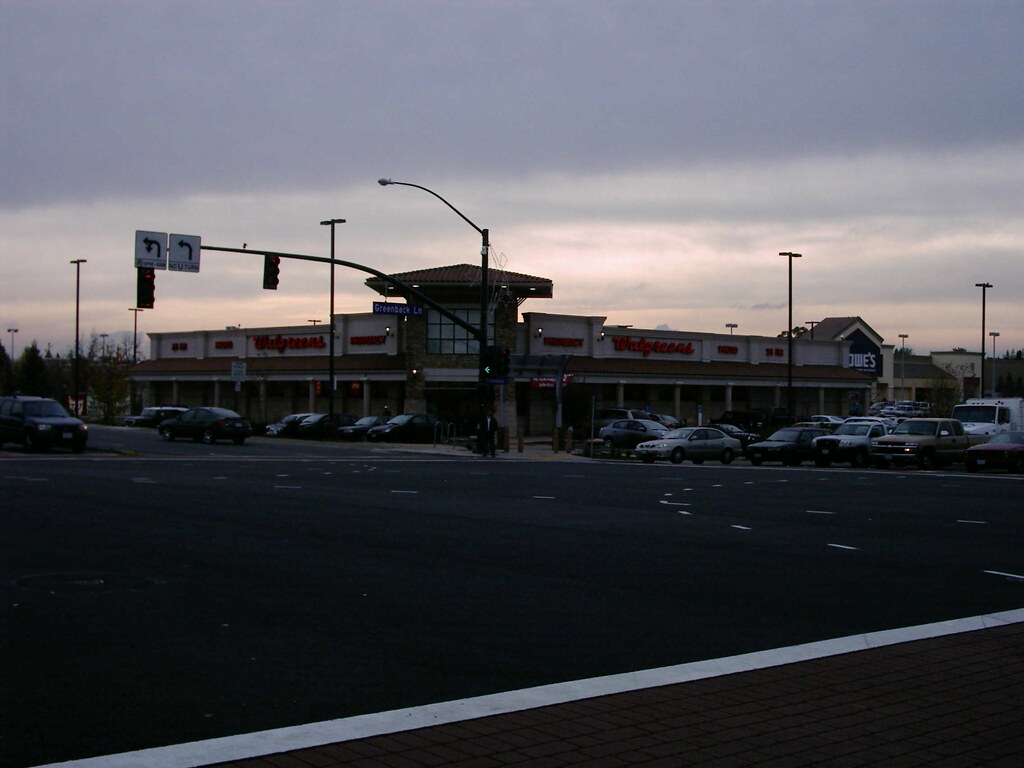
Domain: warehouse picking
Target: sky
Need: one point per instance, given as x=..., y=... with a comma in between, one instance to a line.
x=651, y=158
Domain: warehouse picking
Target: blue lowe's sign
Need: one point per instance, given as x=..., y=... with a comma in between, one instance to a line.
x=865, y=355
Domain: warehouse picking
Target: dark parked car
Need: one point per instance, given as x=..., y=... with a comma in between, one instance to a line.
x=751, y=421
x=287, y=426
x=407, y=428
x=627, y=434
x=320, y=426
x=790, y=445
x=152, y=417
x=358, y=430
x=208, y=425
x=745, y=438
x=1002, y=451
x=39, y=423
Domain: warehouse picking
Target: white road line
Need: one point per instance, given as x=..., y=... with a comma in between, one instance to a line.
x=1014, y=576
x=543, y=497
x=818, y=512
x=410, y=492
x=147, y=480
x=741, y=527
x=973, y=522
x=843, y=546
x=262, y=743
x=675, y=503
x=288, y=487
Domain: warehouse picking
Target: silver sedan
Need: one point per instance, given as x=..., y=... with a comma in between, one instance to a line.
x=693, y=443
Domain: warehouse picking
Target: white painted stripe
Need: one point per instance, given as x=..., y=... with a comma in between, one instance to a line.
x=1014, y=576
x=543, y=497
x=288, y=487
x=262, y=743
x=973, y=522
x=411, y=492
x=819, y=512
x=741, y=527
x=842, y=546
x=675, y=503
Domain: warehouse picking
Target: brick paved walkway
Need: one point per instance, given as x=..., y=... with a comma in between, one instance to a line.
x=947, y=702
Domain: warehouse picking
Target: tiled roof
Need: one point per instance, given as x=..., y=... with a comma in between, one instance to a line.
x=713, y=368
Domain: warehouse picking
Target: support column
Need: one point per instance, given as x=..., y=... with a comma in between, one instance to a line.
x=620, y=394
x=366, y=397
x=263, y=400
x=728, y=397
x=311, y=395
x=821, y=400
x=677, y=401
x=216, y=393
x=174, y=392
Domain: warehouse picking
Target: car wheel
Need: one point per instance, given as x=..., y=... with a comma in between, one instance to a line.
x=165, y=433
x=859, y=459
x=882, y=463
x=647, y=459
x=727, y=456
x=678, y=454
x=928, y=461
x=609, y=446
x=791, y=461
x=1018, y=465
x=31, y=444
x=972, y=466
x=238, y=440
x=78, y=447
x=756, y=461
x=823, y=462
x=207, y=437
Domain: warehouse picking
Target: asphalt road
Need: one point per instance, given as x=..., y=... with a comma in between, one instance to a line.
x=200, y=591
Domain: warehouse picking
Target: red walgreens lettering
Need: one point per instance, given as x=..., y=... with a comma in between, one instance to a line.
x=647, y=346
x=281, y=343
x=560, y=341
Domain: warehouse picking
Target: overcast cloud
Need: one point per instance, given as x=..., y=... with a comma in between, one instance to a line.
x=651, y=158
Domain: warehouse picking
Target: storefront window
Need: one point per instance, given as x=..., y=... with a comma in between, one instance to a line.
x=446, y=338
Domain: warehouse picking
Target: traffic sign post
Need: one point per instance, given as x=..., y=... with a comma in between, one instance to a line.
x=183, y=253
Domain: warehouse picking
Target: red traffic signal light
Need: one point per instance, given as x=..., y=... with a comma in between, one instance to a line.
x=271, y=272
x=145, y=288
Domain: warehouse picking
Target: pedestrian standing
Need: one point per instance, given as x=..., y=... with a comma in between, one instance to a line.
x=490, y=432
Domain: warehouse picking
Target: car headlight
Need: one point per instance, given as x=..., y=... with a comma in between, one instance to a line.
x=43, y=427
x=845, y=443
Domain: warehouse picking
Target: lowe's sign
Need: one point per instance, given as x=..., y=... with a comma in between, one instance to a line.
x=865, y=355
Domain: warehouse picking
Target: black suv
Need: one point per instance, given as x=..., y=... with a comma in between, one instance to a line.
x=39, y=423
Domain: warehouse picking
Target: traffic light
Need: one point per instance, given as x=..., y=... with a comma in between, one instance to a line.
x=145, y=288
x=271, y=272
x=502, y=360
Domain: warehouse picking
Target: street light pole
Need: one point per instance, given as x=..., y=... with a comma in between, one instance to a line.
x=812, y=323
x=12, y=331
x=330, y=352
x=485, y=245
x=981, y=374
x=993, y=334
x=789, y=332
x=903, y=364
x=78, y=347
x=135, y=335
x=731, y=326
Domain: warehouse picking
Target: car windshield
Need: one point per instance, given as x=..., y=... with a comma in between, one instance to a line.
x=1007, y=437
x=916, y=428
x=224, y=413
x=366, y=421
x=852, y=429
x=45, y=408
x=975, y=413
x=679, y=434
x=403, y=419
x=786, y=435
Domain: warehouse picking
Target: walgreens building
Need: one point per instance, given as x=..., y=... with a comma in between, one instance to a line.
x=412, y=359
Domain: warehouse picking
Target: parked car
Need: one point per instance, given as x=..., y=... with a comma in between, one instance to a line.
x=669, y=422
x=288, y=425
x=151, y=417
x=40, y=423
x=927, y=443
x=605, y=416
x=694, y=443
x=751, y=420
x=207, y=425
x=825, y=421
x=790, y=445
x=407, y=428
x=320, y=426
x=745, y=438
x=850, y=441
x=626, y=434
x=1004, y=450
x=358, y=430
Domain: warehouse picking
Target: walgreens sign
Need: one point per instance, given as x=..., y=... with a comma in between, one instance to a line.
x=652, y=346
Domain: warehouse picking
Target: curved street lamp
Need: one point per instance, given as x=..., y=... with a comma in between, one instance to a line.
x=981, y=373
x=789, y=333
x=484, y=392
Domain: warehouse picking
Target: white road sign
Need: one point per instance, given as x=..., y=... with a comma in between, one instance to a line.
x=183, y=253
x=151, y=249
x=237, y=371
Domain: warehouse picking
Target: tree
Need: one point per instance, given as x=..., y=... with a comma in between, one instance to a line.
x=797, y=332
x=944, y=391
x=30, y=374
x=6, y=372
